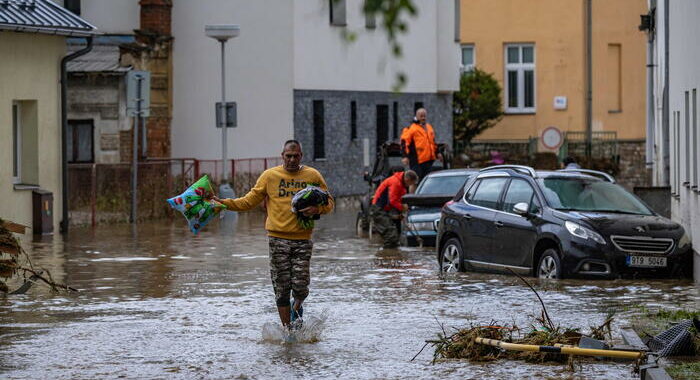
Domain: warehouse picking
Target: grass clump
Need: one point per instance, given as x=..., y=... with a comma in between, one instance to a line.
x=684, y=371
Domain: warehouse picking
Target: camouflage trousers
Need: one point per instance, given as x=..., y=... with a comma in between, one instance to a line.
x=385, y=226
x=289, y=269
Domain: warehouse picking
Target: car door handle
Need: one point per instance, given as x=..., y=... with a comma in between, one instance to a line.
x=498, y=223
x=467, y=216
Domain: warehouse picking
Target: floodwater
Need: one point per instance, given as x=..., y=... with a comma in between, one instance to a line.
x=160, y=303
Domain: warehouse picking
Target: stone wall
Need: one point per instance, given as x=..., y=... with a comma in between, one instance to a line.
x=343, y=166
x=632, y=170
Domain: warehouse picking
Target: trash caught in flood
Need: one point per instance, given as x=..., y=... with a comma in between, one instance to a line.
x=308, y=331
x=542, y=342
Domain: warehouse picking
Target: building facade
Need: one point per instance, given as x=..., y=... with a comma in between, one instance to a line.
x=291, y=55
x=676, y=134
x=97, y=101
x=537, y=51
x=32, y=44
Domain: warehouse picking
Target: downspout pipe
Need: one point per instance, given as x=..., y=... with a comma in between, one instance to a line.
x=650, y=100
x=666, y=176
x=64, y=130
x=589, y=80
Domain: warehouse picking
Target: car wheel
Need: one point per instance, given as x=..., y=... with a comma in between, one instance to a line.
x=361, y=225
x=451, y=257
x=549, y=266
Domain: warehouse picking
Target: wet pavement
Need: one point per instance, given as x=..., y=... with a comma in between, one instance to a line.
x=160, y=303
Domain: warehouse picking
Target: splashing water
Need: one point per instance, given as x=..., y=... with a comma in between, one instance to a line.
x=309, y=332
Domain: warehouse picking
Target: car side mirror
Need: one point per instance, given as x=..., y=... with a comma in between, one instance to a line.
x=521, y=209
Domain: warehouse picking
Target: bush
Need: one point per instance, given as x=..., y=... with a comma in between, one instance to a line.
x=477, y=105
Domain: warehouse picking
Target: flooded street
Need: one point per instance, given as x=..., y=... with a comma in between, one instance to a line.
x=166, y=304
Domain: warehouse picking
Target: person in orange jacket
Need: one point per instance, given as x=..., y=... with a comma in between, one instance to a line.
x=386, y=206
x=418, y=145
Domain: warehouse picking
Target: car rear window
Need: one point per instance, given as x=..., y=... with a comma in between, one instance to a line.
x=442, y=184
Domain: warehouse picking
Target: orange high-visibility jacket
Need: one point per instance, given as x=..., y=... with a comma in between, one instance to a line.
x=418, y=143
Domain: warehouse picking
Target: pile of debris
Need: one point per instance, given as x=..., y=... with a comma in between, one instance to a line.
x=14, y=262
x=542, y=341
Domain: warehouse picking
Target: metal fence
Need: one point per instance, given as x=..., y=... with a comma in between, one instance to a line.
x=603, y=145
x=102, y=192
x=479, y=153
x=604, y=151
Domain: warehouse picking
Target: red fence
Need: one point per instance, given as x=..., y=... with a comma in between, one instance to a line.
x=102, y=192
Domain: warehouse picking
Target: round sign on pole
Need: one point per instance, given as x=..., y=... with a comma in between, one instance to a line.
x=552, y=138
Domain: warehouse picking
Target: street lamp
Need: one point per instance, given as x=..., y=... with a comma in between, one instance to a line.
x=222, y=33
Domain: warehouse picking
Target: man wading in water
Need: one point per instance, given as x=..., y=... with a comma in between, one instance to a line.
x=290, y=244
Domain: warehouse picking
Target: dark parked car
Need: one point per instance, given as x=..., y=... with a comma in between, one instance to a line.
x=554, y=224
x=424, y=205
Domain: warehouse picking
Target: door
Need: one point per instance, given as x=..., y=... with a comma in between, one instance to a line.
x=382, y=124
x=80, y=142
x=479, y=228
x=515, y=235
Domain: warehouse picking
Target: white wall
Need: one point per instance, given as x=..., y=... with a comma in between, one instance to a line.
x=448, y=50
x=684, y=76
x=111, y=16
x=325, y=60
x=258, y=76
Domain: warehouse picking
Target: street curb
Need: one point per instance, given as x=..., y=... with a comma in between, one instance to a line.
x=650, y=370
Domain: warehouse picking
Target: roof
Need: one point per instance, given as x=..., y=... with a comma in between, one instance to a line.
x=103, y=58
x=452, y=172
x=42, y=16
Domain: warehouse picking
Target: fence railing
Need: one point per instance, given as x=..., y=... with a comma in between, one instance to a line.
x=102, y=192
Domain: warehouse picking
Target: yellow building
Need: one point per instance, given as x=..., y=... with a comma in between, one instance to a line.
x=32, y=44
x=536, y=49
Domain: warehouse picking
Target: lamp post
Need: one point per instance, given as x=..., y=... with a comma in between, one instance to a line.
x=222, y=33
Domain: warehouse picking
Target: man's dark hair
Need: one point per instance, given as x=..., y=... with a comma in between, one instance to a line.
x=291, y=142
x=569, y=160
x=410, y=175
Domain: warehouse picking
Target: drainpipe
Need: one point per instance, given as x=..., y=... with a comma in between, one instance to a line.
x=64, y=130
x=650, y=98
x=589, y=80
x=666, y=111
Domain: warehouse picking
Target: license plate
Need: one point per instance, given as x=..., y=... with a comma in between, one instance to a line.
x=646, y=261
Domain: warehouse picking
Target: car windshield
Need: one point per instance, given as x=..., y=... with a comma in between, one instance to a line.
x=442, y=184
x=584, y=194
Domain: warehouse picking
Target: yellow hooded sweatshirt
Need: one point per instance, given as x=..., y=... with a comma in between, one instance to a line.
x=280, y=185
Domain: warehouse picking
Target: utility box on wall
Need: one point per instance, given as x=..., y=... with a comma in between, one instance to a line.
x=42, y=212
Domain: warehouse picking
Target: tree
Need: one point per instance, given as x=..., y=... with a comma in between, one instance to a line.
x=477, y=105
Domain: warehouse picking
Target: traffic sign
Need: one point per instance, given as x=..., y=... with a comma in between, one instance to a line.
x=138, y=93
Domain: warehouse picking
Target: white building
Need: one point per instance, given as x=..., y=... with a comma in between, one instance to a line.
x=295, y=60
x=676, y=84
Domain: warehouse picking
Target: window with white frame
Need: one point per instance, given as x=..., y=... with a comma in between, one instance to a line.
x=520, y=78
x=16, y=145
x=468, y=58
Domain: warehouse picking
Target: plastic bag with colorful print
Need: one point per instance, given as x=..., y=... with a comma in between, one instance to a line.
x=196, y=204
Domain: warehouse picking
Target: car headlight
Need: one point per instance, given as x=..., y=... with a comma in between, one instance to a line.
x=685, y=240
x=583, y=232
x=421, y=226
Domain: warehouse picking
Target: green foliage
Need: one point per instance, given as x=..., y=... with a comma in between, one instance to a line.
x=684, y=371
x=477, y=105
x=393, y=14
x=676, y=315
x=394, y=21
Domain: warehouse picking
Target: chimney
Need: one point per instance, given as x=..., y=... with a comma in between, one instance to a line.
x=156, y=16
